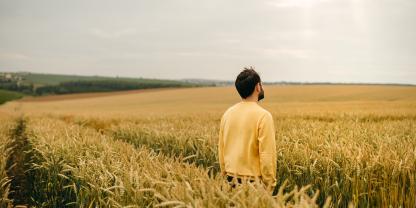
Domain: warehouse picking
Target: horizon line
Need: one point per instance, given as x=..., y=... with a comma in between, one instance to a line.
x=281, y=82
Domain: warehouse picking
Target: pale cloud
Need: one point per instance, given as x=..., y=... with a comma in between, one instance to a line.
x=13, y=56
x=232, y=41
x=294, y=3
x=115, y=34
x=287, y=53
x=292, y=35
x=201, y=54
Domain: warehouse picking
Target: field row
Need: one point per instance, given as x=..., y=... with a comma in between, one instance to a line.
x=69, y=165
x=6, y=125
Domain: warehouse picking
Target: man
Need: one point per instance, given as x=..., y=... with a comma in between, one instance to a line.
x=246, y=146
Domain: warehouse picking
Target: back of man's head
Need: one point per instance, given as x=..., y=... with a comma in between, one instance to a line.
x=246, y=82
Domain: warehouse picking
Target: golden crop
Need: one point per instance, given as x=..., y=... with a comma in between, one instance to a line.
x=346, y=145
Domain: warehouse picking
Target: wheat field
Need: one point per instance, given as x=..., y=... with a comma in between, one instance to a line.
x=337, y=146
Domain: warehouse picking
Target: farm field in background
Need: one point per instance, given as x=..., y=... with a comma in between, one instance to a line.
x=6, y=95
x=337, y=145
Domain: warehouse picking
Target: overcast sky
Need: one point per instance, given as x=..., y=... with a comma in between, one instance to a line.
x=290, y=40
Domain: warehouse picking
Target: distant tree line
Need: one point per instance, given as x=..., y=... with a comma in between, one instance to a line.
x=104, y=86
x=16, y=86
x=92, y=86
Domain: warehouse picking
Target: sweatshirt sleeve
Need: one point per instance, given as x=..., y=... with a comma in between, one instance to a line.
x=221, y=147
x=267, y=150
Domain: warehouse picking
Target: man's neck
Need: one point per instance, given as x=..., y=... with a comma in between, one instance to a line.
x=250, y=99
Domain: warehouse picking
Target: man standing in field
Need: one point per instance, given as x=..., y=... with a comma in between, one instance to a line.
x=247, y=146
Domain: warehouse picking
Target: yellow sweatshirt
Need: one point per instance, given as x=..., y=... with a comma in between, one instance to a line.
x=247, y=145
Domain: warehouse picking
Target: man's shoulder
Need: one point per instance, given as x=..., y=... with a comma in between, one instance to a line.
x=267, y=115
x=229, y=109
x=259, y=110
x=263, y=112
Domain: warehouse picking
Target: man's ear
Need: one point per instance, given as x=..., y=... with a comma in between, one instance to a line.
x=258, y=87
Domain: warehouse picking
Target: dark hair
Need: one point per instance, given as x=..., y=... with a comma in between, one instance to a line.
x=246, y=82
